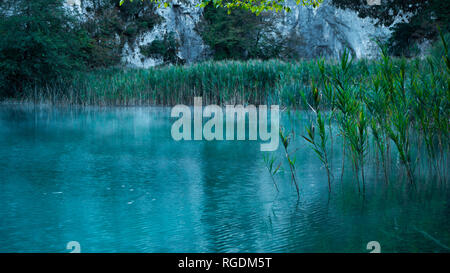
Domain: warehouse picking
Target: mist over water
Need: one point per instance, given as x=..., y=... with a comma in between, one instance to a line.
x=114, y=180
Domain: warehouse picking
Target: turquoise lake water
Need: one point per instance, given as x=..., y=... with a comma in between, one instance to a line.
x=114, y=180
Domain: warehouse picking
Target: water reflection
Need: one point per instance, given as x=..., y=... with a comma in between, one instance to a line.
x=114, y=180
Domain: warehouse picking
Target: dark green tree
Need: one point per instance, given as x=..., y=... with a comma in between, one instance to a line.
x=241, y=34
x=39, y=42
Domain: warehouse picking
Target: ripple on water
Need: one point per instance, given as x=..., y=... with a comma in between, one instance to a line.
x=115, y=181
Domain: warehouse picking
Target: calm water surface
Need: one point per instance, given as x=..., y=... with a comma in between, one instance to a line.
x=115, y=181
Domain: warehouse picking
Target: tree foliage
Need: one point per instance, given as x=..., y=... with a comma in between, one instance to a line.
x=424, y=24
x=241, y=34
x=38, y=44
x=254, y=6
x=42, y=40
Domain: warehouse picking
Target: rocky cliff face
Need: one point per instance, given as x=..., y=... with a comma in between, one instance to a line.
x=324, y=31
x=327, y=30
x=181, y=19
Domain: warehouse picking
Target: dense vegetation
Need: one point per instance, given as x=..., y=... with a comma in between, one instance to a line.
x=395, y=112
x=47, y=45
x=41, y=42
x=243, y=35
x=39, y=45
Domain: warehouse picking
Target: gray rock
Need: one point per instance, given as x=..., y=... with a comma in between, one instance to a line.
x=180, y=19
x=324, y=31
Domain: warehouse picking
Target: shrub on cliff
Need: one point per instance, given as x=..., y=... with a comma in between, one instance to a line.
x=240, y=34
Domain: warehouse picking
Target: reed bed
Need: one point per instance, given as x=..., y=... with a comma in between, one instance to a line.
x=227, y=82
x=393, y=112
